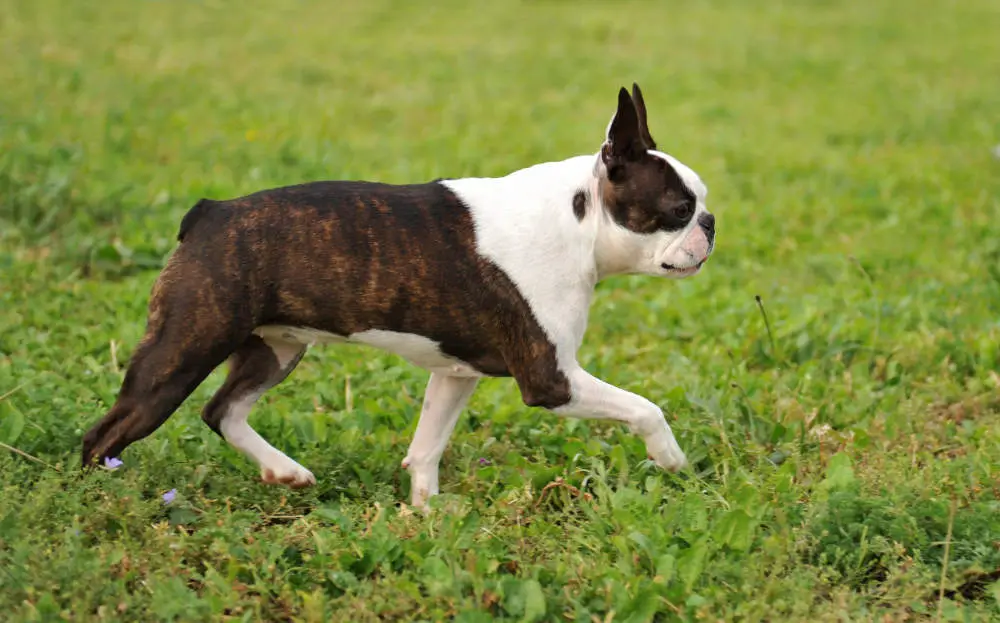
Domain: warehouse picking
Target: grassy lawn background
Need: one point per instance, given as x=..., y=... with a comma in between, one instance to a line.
x=838, y=468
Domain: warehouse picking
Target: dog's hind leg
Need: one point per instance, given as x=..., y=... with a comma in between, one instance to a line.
x=196, y=320
x=257, y=365
x=173, y=358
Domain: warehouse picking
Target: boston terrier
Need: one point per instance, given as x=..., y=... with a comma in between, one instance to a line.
x=465, y=278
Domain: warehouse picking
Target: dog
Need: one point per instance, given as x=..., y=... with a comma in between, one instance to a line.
x=466, y=278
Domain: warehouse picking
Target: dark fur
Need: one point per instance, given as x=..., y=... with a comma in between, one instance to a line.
x=580, y=205
x=340, y=257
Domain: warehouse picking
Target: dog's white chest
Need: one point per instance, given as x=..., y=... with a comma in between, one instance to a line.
x=418, y=350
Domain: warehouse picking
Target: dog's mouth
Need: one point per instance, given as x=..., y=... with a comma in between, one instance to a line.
x=683, y=270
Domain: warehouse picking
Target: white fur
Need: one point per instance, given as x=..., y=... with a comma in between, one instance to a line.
x=596, y=399
x=418, y=350
x=275, y=466
x=444, y=400
x=299, y=335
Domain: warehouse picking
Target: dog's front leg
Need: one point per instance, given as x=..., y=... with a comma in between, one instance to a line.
x=444, y=400
x=592, y=398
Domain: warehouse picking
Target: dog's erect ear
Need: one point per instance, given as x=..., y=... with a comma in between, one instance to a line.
x=640, y=109
x=624, y=141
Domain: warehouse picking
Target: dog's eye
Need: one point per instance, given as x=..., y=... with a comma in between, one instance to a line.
x=683, y=211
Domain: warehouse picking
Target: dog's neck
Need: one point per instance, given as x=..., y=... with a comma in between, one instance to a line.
x=613, y=253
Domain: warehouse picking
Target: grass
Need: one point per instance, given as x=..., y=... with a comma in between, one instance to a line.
x=846, y=461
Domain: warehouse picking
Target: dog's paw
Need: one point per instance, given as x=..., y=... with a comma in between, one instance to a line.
x=291, y=475
x=420, y=498
x=672, y=463
x=664, y=451
x=423, y=484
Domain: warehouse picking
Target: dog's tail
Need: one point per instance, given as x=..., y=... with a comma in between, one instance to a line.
x=193, y=216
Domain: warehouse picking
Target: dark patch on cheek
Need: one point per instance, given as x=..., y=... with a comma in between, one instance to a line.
x=628, y=209
x=580, y=205
x=649, y=197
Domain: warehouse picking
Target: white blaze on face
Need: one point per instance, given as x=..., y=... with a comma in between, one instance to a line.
x=691, y=179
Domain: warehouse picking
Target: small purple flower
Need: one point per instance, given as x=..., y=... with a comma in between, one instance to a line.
x=169, y=496
x=483, y=462
x=112, y=463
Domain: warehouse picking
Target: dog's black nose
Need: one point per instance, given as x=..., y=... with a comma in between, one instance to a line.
x=707, y=222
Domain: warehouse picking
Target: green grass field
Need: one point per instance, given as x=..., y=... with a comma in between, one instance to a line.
x=846, y=466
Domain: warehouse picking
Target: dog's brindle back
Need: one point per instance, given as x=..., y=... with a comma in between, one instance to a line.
x=366, y=256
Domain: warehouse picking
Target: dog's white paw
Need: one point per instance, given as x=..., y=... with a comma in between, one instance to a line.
x=423, y=484
x=288, y=473
x=419, y=499
x=664, y=451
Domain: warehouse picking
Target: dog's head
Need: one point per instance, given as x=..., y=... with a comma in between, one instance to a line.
x=659, y=224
